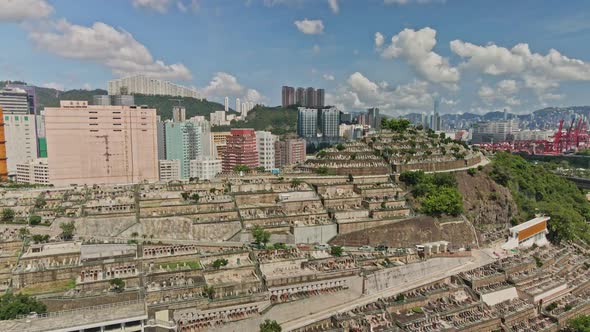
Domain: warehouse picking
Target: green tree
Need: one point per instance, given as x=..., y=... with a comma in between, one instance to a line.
x=579, y=324
x=209, y=292
x=322, y=170
x=40, y=202
x=340, y=147
x=241, y=168
x=11, y=306
x=34, y=219
x=442, y=200
x=38, y=238
x=412, y=178
x=23, y=233
x=118, y=285
x=7, y=214
x=260, y=169
x=336, y=251
x=260, y=235
x=195, y=197
x=218, y=263
x=296, y=183
x=67, y=230
x=270, y=326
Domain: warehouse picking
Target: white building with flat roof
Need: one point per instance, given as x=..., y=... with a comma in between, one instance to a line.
x=205, y=168
x=21, y=139
x=169, y=170
x=265, y=145
x=527, y=234
x=34, y=172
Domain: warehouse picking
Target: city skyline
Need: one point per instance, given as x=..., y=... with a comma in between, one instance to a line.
x=408, y=54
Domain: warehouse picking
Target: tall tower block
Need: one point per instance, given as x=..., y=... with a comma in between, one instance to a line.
x=3, y=164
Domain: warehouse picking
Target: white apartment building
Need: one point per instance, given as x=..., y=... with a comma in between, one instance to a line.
x=21, y=139
x=226, y=104
x=218, y=118
x=205, y=168
x=265, y=144
x=149, y=86
x=169, y=170
x=34, y=172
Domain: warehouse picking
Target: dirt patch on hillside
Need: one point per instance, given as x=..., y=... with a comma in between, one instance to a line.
x=485, y=202
x=410, y=232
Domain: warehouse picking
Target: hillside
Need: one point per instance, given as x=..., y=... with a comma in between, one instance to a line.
x=536, y=190
x=47, y=97
x=278, y=120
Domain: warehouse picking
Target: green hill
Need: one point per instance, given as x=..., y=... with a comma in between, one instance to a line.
x=278, y=120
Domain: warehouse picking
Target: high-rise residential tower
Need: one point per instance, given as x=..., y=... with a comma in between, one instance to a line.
x=287, y=96
x=240, y=149
x=183, y=142
x=265, y=146
x=310, y=97
x=178, y=114
x=226, y=104
x=330, y=119
x=320, y=96
x=374, y=118
x=307, y=122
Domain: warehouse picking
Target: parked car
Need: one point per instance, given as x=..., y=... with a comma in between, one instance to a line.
x=366, y=248
x=322, y=246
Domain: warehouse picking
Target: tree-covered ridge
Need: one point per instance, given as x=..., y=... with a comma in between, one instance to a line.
x=278, y=120
x=437, y=193
x=537, y=190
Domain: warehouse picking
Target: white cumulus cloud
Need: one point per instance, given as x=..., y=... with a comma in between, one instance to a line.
x=224, y=84
x=310, y=27
x=360, y=92
x=416, y=48
x=160, y=6
x=541, y=73
x=334, y=6
x=504, y=93
x=114, y=48
x=379, y=40
x=54, y=85
x=20, y=10
x=328, y=77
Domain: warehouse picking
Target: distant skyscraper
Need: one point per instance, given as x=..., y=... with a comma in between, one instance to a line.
x=14, y=101
x=238, y=106
x=307, y=122
x=300, y=97
x=373, y=118
x=244, y=110
x=28, y=90
x=226, y=104
x=310, y=97
x=287, y=96
x=320, y=93
x=330, y=119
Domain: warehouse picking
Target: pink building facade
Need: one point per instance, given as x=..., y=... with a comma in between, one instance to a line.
x=101, y=144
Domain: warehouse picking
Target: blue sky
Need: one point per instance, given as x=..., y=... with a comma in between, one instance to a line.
x=472, y=55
